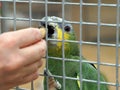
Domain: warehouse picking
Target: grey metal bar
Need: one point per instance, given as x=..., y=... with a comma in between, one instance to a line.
x=30, y=13
x=72, y=22
x=86, y=80
x=63, y=53
x=117, y=44
x=67, y=3
x=80, y=61
x=46, y=14
x=30, y=24
x=98, y=42
x=5, y=8
x=86, y=43
x=14, y=11
x=76, y=60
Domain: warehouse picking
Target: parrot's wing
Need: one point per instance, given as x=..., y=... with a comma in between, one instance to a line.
x=90, y=73
x=78, y=81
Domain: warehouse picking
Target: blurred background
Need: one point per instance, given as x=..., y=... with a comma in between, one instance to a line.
x=22, y=14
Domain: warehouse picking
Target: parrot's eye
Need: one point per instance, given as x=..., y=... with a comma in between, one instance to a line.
x=67, y=28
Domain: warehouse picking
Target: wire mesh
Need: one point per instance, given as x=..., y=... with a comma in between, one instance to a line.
x=96, y=23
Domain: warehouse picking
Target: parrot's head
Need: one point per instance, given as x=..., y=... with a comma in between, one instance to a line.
x=59, y=34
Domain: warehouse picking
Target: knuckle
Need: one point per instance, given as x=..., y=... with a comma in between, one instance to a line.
x=40, y=53
x=43, y=52
x=40, y=63
x=22, y=56
x=36, y=33
x=42, y=49
x=12, y=67
x=31, y=77
x=35, y=67
x=9, y=68
x=13, y=64
x=35, y=75
x=7, y=40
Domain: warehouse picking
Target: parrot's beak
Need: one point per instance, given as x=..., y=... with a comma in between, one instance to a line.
x=52, y=31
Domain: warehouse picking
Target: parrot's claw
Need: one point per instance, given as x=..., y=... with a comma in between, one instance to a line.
x=52, y=82
x=58, y=85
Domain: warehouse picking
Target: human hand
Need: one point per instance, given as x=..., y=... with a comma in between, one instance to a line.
x=20, y=57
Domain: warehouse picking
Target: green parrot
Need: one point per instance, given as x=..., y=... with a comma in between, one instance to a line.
x=63, y=66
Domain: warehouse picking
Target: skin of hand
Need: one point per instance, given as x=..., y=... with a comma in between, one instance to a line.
x=20, y=56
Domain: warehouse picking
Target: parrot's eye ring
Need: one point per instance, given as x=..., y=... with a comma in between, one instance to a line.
x=67, y=28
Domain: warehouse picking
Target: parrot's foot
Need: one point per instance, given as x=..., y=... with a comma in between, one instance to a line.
x=52, y=83
x=58, y=85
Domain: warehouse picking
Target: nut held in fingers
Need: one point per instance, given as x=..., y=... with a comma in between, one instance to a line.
x=43, y=32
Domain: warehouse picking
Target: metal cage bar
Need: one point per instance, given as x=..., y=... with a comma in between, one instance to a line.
x=47, y=56
x=98, y=42
x=117, y=44
x=4, y=28
x=14, y=18
x=63, y=52
x=81, y=24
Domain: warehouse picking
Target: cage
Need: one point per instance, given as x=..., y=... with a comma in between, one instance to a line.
x=96, y=24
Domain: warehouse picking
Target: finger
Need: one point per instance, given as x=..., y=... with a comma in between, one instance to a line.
x=23, y=72
x=29, y=69
x=23, y=80
x=30, y=78
x=33, y=52
x=27, y=36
